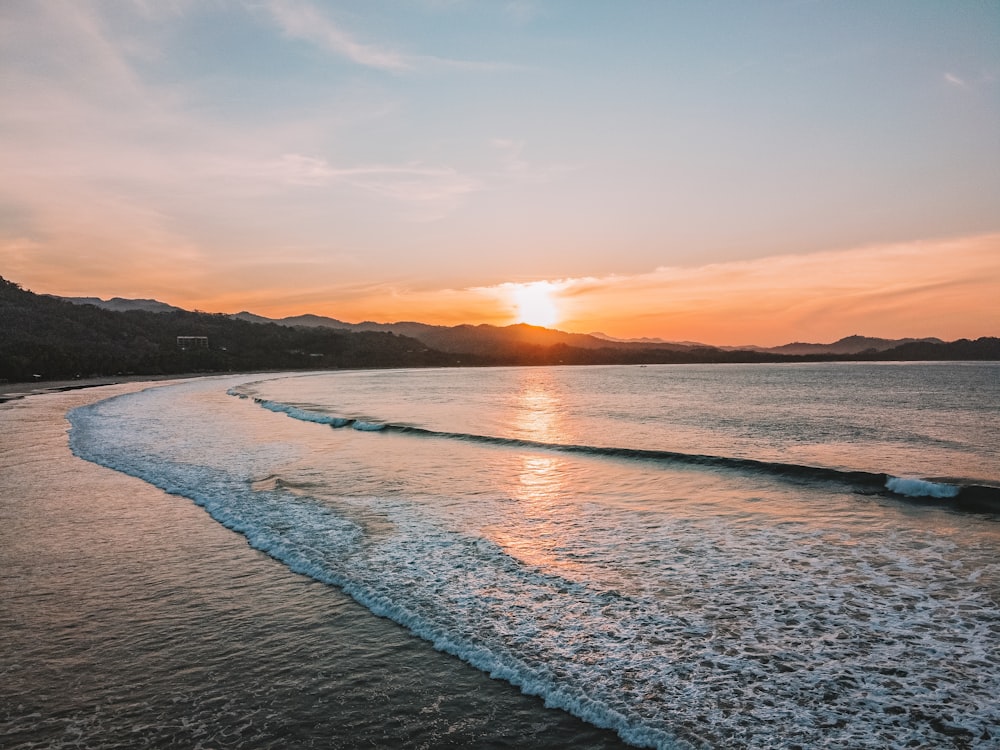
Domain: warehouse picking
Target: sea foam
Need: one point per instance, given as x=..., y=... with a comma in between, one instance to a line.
x=716, y=633
x=913, y=487
x=303, y=415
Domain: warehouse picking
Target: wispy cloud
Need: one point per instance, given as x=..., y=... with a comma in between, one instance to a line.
x=954, y=80
x=917, y=288
x=411, y=182
x=424, y=192
x=111, y=175
x=304, y=21
x=909, y=289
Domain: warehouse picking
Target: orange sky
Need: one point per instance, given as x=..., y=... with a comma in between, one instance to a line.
x=946, y=288
x=724, y=173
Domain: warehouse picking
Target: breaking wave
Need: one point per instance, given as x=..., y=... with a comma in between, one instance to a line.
x=962, y=495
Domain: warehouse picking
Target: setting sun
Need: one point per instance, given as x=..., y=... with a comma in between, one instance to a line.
x=535, y=304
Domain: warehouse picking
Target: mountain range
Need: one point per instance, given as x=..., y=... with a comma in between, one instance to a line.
x=484, y=339
x=49, y=338
x=120, y=304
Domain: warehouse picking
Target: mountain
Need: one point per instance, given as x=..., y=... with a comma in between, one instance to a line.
x=491, y=340
x=485, y=339
x=646, y=340
x=51, y=338
x=475, y=339
x=307, y=321
x=46, y=338
x=120, y=304
x=847, y=345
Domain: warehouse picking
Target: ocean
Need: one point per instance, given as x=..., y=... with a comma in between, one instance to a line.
x=718, y=556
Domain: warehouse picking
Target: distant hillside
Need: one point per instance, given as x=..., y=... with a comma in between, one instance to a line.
x=54, y=339
x=647, y=341
x=120, y=304
x=848, y=345
x=493, y=341
x=47, y=338
x=986, y=348
x=475, y=339
x=306, y=321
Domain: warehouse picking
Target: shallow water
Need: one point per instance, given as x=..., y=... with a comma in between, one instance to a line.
x=924, y=419
x=131, y=619
x=679, y=604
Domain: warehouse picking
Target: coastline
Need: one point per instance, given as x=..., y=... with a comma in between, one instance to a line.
x=128, y=610
x=14, y=391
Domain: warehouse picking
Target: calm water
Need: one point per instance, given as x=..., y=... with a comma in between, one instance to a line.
x=557, y=529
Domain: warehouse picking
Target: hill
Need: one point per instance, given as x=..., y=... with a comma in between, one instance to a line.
x=47, y=338
x=848, y=345
x=43, y=337
x=120, y=304
x=481, y=339
x=488, y=340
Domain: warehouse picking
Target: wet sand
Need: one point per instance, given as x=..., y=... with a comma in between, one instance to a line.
x=14, y=391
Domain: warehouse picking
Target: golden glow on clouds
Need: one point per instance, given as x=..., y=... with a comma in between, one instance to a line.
x=348, y=164
x=945, y=288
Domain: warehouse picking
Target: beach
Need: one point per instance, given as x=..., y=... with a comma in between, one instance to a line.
x=687, y=556
x=132, y=619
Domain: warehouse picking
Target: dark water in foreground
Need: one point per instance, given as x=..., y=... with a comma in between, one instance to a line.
x=130, y=619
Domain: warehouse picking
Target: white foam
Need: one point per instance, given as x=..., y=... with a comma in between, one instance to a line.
x=913, y=487
x=303, y=415
x=660, y=626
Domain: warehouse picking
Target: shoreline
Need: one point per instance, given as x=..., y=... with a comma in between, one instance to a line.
x=126, y=606
x=11, y=391
x=15, y=391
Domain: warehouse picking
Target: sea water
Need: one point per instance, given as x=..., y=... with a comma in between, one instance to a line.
x=690, y=556
x=130, y=619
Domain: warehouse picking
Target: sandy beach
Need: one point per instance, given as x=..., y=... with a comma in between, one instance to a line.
x=14, y=391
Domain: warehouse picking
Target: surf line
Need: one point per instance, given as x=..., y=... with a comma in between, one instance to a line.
x=969, y=497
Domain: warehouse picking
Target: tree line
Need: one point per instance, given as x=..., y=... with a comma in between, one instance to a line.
x=46, y=338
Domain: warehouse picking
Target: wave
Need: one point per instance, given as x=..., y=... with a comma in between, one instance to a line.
x=651, y=663
x=406, y=579
x=914, y=487
x=959, y=494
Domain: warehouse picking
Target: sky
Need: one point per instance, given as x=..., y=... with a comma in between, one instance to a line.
x=745, y=172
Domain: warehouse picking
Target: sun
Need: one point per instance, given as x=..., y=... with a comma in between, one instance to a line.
x=535, y=304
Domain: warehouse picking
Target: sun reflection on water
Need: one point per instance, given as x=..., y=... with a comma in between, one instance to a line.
x=537, y=481
x=537, y=410
x=536, y=526
x=540, y=476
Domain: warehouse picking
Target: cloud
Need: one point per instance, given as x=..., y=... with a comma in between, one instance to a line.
x=304, y=21
x=110, y=176
x=954, y=80
x=288, y=170
x=410, y=182
x=943, y=288
x=432, y=191
x=939, y=288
